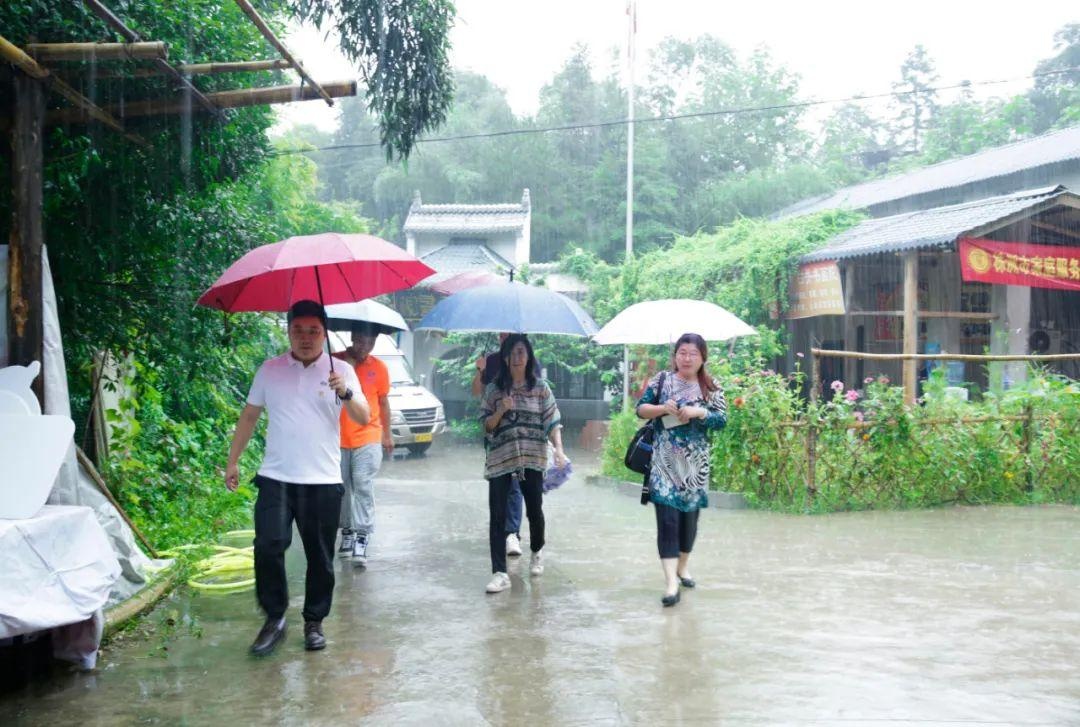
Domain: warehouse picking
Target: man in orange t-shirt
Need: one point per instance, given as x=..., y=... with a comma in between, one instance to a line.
x=362, y=446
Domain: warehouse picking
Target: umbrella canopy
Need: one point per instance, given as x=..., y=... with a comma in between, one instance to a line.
x=514, y=308
x=329, y=268
x=663, y=321
x=463, y=281
x=342, y=316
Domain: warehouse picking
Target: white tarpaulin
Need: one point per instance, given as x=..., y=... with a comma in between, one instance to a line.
x=73, y=486
x=56, y=569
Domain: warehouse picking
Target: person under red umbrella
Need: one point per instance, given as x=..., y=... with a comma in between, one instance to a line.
x=300, y=475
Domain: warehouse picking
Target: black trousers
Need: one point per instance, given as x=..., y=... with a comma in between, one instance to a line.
x=533, y=491
x=315, y=509
x=675, y=530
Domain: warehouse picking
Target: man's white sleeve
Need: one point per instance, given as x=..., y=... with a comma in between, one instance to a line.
x=257, y=394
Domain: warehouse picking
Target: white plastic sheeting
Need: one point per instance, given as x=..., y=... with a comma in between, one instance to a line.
x=56, y=569
x=73, y=486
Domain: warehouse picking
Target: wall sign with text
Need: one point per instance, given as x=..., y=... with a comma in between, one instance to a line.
x=816, y=291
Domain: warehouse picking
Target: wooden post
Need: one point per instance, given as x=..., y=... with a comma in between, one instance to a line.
x=849, y=326
x=812, y=424
x=25, y=321
x=1026, y=439
x=911, y=324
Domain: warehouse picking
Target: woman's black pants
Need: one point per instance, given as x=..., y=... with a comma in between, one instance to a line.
x=533, y=491
x=675, y=530
x=315, y=509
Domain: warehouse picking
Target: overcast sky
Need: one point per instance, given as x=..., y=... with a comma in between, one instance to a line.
x=839, y=47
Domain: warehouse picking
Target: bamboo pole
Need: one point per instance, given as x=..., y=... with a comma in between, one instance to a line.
x=200, y=69
x=222, y=99
x=959, y=315
x=911, y=324
x=84, y=106
x=91, y=470
x=118, y=25
x=253, y=14
x=141, y=602
x=945, y=356
x=140, y=51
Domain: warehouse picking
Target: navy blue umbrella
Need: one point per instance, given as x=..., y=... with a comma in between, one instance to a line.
x=513, y=308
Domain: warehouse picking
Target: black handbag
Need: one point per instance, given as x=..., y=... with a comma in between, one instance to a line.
x=640, y=450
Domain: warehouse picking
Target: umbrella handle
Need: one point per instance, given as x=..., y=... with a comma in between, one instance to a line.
x=318, y=284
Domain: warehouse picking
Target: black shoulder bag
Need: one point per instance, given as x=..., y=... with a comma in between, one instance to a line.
x=639, y=453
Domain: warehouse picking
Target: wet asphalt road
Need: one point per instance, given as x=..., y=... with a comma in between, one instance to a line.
x=968, y=615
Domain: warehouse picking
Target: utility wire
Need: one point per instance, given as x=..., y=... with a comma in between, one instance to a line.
x=691, y=115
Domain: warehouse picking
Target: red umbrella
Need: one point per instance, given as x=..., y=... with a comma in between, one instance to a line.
x=329, y=268
x=462, y=281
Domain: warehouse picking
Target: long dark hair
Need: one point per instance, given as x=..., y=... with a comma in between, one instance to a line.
x=705, y=382
x=504, y=381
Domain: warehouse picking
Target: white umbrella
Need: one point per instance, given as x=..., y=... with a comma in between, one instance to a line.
x=342, y=316
x=663, y=321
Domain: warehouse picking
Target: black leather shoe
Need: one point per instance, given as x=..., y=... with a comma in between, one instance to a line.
x=270, y=634
x=669, y=601
x=687, y=582
x=313, y=636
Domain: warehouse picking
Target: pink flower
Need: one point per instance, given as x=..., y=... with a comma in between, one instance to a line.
x=852, y=395
x=883, y=380
x=868, y=380
x=800, y=354
x=837, y=386
x=859, y=416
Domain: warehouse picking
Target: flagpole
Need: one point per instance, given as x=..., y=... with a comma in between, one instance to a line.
x=631, y=11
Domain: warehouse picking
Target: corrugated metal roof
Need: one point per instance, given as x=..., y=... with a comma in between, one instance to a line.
x=1053, y=148
x=460, y=258
x=467, y=218
x=933, y=228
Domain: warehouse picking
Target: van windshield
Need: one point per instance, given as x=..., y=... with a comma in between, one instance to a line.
x=398, y=367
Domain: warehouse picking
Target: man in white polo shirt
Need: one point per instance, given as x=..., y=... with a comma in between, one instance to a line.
x=300, y=476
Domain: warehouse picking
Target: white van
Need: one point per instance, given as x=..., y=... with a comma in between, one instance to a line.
x=416, y=415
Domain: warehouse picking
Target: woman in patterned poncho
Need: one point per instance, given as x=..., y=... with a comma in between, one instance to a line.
x=520, y=417
x=692, y=405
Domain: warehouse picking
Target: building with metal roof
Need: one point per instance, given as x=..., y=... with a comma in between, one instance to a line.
x=941, y=227
x=1048, y=160
x=1000, y=273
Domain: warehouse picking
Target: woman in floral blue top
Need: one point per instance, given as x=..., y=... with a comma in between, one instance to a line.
x=690, y=406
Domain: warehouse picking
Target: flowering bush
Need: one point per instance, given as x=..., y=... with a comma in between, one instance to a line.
x=870, y=451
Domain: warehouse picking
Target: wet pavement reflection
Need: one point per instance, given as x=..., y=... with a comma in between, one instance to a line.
x=964, y=615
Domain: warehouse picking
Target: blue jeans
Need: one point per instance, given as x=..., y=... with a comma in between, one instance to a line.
x=514, y=501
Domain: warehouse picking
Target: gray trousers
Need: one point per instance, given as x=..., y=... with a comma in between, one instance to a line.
x=358, y=469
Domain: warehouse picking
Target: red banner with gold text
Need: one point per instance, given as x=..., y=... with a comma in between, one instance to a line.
x=1019, y=263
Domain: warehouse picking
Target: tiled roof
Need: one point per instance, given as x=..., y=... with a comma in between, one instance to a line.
x=459, y=258
x=934, y=228
x=1058, y=147
x=467, y=218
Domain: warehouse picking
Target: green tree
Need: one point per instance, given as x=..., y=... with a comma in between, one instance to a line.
x=1056, y=97
x=401, y=48
x=918, y=103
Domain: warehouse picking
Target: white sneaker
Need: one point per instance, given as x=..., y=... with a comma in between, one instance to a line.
x=499, y=582
x=359, y=550
x=536, y=564
x=513, y=544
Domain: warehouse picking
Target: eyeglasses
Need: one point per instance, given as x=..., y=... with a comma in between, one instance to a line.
x=302, y=331
x=688, y=354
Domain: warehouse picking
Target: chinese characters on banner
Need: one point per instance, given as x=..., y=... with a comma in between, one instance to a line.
x=1019, y=263
x=817, y=291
